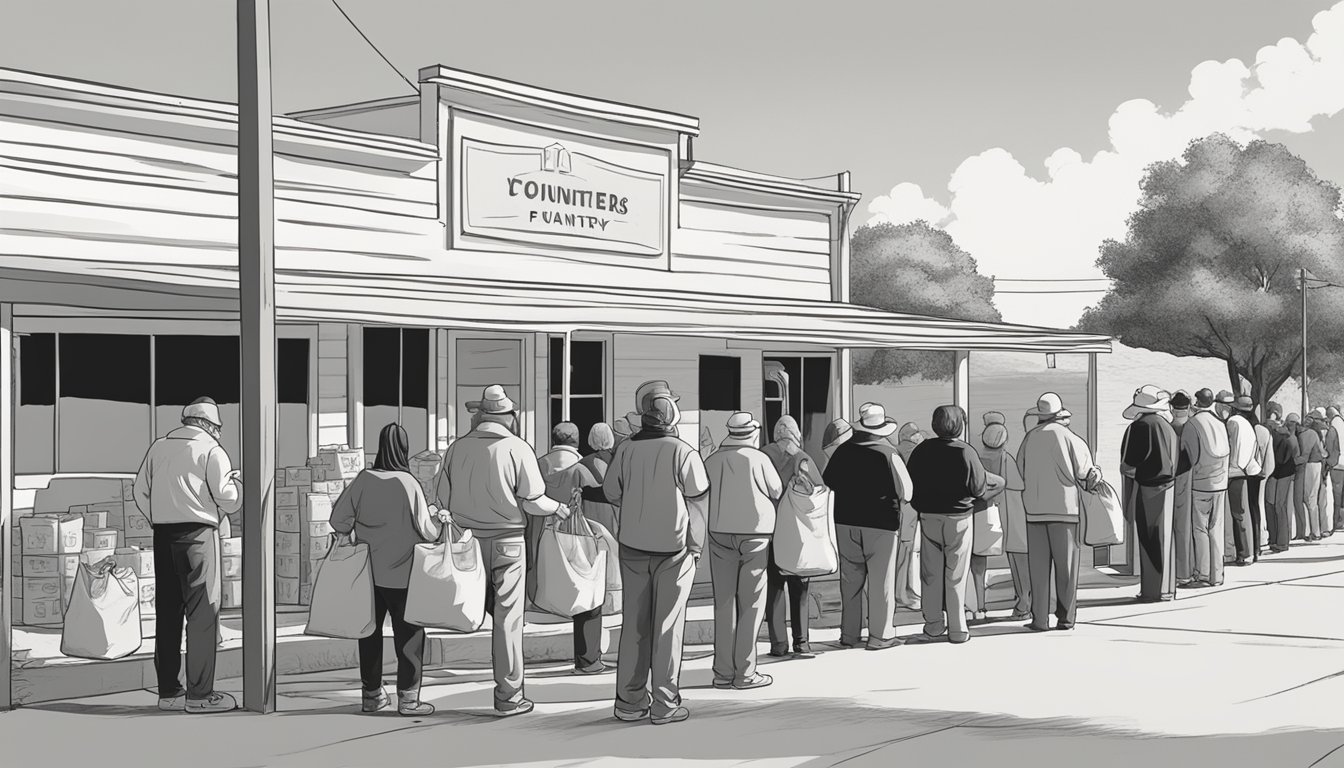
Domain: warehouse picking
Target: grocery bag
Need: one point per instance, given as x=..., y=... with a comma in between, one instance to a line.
x=342, y=604
x=447, y=588
x=804, y=541
x=571, y=568
x=1103, y=516
x=103, y=618
x=606, y=543
x=987, y=532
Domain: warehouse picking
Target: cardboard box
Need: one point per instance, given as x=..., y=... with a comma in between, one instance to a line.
x=40, y=612
x=342, y=460
x=113, y=511
x=287, y=543
x=305, y=594
x=148, y=591
x=231, y=567
x=298, y=476
x=46, y=588
x=140, y=561
x=59, y=534
x=100, y=538
x=287, y=497
x=231, y=547
x=92, y=557
x=289, y=566
x=288, y=519
x=94, y=520
x=50, y=566
x=318, y=529
x=231, y=594
x=316, y=506
x=316, y=547
x=139, y=542
x=137, y=525
x=287, y=591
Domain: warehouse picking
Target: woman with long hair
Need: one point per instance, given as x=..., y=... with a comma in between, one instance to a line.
x=385, y=508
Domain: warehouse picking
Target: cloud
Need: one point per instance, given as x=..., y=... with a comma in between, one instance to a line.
x=1020, y=226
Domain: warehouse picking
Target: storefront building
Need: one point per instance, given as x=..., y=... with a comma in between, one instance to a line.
x=487, y=232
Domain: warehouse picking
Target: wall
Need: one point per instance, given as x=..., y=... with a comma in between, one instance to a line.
x=331, y=384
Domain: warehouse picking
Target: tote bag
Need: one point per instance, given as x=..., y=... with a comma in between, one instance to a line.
x=103, y=618
x=606, y=543
x=1103, y=516
x=987, y=532
x=342, y=604
x=447, y=588
x=804, y=541
x=571, y=569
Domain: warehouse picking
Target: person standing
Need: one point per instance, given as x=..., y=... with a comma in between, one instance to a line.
x=907, y=577
x=1148, y=460
x=837, y=432
x=787, y=456
x=977, y=606
x=1204, y=442
x=1258, y=485
x=385, y=508
x=998, y=461
x=1182, y=523
x=1307, y=488
x=1325, y=496
x=489, y=482
x=1280, y=491
x=743, y=490
x=186, y=487
x=1054, y=462
x=871, y=484
x=1334, y=449
x=1242, y=467
x=659, y=483
x=602, y=441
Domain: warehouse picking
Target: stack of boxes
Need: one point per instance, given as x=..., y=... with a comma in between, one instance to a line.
x=304, y=499
x=231, y=572
x=49, y=548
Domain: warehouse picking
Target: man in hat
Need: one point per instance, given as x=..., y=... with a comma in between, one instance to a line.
x=186, y=488
x=907, y=574
x=1241, y=468
x=1182, y=530
x=1279, y=492
x=836, y=433
x=1205, y=446
x=1334, y=448
x=489, y=482
x=1054, y=463
x=1258, y=485
x=743, y=490
x=659, y=482
x=1325, y=495
x=1148, y=461
x=871, y=484
x=1307, y=482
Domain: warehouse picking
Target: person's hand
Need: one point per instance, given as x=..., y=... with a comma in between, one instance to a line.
x=235, y=475
x=444, y=516
x=564, y=512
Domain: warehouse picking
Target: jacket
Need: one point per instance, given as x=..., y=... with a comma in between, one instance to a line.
x=743, y=489
x=1241, y=448
x=951, y=477
x=186, y=478
x=1149, y=450
x=490, y=479
x=564, y=473
x=870, y=483
x=1311, y=451
x=1205, y=445
x=659, y=483
x=788, y=459
x=1286, y=453
x=1000, y=462
x=1264, y=451
x=388, y=512
x=1334, y=443
x=1053, y=462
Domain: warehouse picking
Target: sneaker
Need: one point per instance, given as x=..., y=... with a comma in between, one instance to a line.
x=1022, y=616
x=521, y=708
x=879, y=644
x=1064, y=627
x=959, y=640
x=755, y=681
x=802, y=649
x=678, y=715
x=596, y=668
x=375, y=701
x=848, y=644
x=410, y=705
x=1036, y=627
x=723, y=685
x=176, y=703
x=924, y=639
x=632, y=717
x=779, y=651
x=212, y=704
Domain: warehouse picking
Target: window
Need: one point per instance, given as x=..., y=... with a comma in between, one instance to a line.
x=481, y=363
x=396, y=384
x=188, y=367
x=806, y=396
x=291, y=393
x=587, y=385
x=103, y=424
x=35, y=418
x=720, y=383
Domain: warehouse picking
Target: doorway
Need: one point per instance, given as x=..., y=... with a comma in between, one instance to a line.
x=799, y=386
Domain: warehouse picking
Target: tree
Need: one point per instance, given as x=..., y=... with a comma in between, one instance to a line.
x=917, y=269
x=1210, y=263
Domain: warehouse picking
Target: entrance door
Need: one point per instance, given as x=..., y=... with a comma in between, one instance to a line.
x=799, y=386
x=482, y=362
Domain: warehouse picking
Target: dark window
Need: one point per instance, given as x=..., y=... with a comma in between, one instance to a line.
x=415, y=368
x=816, y=385
x=107, y=367
x=291, y=366
x=720, y=383
x=588, y=361
x=37, y=364
x=556, y=367
x=188, y=367
x=382, y=367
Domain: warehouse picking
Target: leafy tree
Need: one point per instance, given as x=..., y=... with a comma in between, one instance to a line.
x=914, y=268
x=1210, y=264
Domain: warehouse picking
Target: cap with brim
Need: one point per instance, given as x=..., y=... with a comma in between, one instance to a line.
x=1049, y=405
x=1244, y=403
x=1148, y=399
x=873, y=420
x=742, y=424
x=206, y=411
x=494, y=401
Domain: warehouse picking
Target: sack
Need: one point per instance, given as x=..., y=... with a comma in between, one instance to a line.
x=571, y=568
x=1103, y=516
x=987, y=532
x=447, y=588
x=103, y=618
x=342, y=604
x=606, y=543
x=804, y=541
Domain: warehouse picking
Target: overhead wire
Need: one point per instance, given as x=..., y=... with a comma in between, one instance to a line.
x=374, y=47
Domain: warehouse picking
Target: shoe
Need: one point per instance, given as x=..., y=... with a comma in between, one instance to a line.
x=981, y=616
x=596, y=668
x=802, y=649
x=755, y=681
x=779, y=651
x=723, y=685
x=849, y=644
x=375, y=701
x=631, y=717
x=678, y=715
x=521, y=708
x=1064, y=627
x=923, y=639
x=1195, y=584
x=1242, y=563
x=1020, y=616
x=959, y=640
x=1036, y=628
x=212, y=704
x=176, y=703
x=879, y=644
x=410, y=705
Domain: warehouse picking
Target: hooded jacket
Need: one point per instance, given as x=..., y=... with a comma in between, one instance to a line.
x=1205, y=445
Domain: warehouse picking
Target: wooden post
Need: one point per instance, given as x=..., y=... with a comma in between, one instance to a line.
x=354, y=386
x=844, y=359
x=961, y=385
x=567, y=375
x=7, y=406
x=256, y=283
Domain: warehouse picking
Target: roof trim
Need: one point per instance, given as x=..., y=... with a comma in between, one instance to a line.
x=356, y=108
x=736, y=178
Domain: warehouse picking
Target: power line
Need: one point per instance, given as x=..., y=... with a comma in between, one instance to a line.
x=1047, y=293
x=374, y=47
x=1051, y=279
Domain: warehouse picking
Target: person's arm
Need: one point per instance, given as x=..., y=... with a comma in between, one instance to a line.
x=425, y=524
x=1190, y=446
x=977, y=480
x=343, y=512
x=443, y=489
x=224, y=486
x=1134, y=449
x=900, y=475
x=141, y=488
x=768, y=479
x=695, y=488
x=530, y=488
x=1013, y=475
x=1271, y=461
x=1085, y=470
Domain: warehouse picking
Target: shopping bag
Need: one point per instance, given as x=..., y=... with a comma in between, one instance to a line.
x=987, y=532
x=103, y=618
x=571, y=568
x=342, y=604
x=606, y=543
x=447, y=588
x=1103, y=516
x=804, y=541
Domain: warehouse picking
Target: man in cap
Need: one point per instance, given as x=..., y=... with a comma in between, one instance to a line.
x=1258, y=485
x=1307, y=482
x=743, y=490
x=659, y=482
x=871, y=484
x=1204, y=444
x=907, y=576
x=1334, y=449
x=186, y=488
x=1148, y=461
x=1242, y=466
x=1054, y=463
x=489, y=482
x=1279, y=493
x=1182, y=528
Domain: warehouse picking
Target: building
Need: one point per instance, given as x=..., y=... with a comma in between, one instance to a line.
x=484, y=232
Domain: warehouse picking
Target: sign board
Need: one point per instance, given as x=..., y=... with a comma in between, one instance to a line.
x=553, y=196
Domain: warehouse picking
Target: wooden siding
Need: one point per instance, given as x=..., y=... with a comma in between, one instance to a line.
x=790, y=251
x=331, y=371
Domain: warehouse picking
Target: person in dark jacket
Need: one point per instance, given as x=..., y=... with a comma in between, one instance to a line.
x=951, y=480
x=1280, y=493
x=1148, y=462
x=870, y=483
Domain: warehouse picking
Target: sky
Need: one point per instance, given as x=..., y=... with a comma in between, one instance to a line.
x=1022, y=128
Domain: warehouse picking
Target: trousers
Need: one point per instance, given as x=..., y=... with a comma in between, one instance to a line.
x=944, y=570
x=505, y=561
x=1239, y=515
x=187, y=578
x=1053, y=546
x=1152, y=516
x=656, y=587
x=408, y=642
x=737, y=566
x=1208, y=510
x=781, y=615
x=867, y=561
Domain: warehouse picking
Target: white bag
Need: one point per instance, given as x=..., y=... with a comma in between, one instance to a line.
x=987, y=532
x=571, y=569
x=103, y=618
x=342, y=604
x=804, y=541
x=447, y=589
x=1103, y=516
x=606, y=543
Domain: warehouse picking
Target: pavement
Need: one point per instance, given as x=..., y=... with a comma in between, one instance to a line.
x=1250, y=673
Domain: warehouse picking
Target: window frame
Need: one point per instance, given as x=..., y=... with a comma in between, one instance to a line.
x=430, y=383
x=555, y=399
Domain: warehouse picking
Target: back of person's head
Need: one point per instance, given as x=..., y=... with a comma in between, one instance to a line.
x=601, y=437
x=949, y=421
x=566, y=434
x=393, y=450
x=995, y=436
x=787, y=429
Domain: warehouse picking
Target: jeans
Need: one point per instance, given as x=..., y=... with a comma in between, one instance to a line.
x=867, y=560
x=1053, y=546
x=1324, y=498
x=186, y=571
x=588, y=638
x=1280, y=507
x=944, y=565
x=1183, y=529
x=737, y=565
x=1255, y=486
x=1019, y=564
x=505, y=561
x=656, y=587
x=1207, y=509
x=408, y=643
x=777, y=613
x=1152, y=516
x=907, y=575
x=1307, y=495
x=1239, y=507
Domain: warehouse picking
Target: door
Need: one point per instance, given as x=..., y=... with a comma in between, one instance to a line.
x=799, y=386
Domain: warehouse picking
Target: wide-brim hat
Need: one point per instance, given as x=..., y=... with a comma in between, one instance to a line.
x=742, y=424
x=494, y=401
x=1148, y=399
x=873, y=419
x=1049, y=406
x=1317, y=414
x=203, y=409
x=649, y=390
x=836, y=432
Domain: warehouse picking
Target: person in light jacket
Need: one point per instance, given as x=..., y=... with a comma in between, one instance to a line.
x=1325, y=495
x=1149, y=456
x=1241, y=467
x=1264, y=456
x=998, y=461
x=1054, y=463
x=743, y=490
x=1182, y=522
x=837, y=432
x=1205, y=451
x=1307, y=483
x=907, y=575
x=1334, y=453
x=602, y=440
x=186, y=488
x=786, y=453
x=385, y=508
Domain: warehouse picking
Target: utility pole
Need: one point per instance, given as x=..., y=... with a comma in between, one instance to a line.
x=256, y=291
x=1302, y=286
